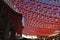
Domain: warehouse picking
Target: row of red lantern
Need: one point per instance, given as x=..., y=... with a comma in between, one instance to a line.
x=37, y=21
x=33, y=22
x=38, y=6
x=39, y=14
x=42, y=25
x=38, y=31
x=17, y=4
x=45, y=11
x=21, y=7
x=33, y=3
x=34, y=13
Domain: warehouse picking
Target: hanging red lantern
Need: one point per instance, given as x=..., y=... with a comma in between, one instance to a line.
x=55, y=10
x=49, y=7
x=40, y=10
x=50, y=16
x=45, y=7
x=26, y=5
x=30, y=9
x=21, y=7
x=55, y=13
x=54, y=17
x=38, y=5
x=27, y=2
x=33, y=3
x=17, y=4
x=46, y=16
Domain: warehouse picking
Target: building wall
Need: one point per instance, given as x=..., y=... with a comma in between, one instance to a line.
x=9, y=19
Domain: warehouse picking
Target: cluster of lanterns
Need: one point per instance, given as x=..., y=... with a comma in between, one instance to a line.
x=39, y=13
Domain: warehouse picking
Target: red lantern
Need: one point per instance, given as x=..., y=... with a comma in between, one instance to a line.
x=45, y=7
x=42, y=14
x=38, y=5
x=33, y=3
x=27, y=4
x=50, y=16
x=21, y=7
x=30, y=9
x=40, y=10
x=55, y=10
x=49, y=7
x=54, y=17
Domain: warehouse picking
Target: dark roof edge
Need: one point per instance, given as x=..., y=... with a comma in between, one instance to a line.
x=6, y=1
